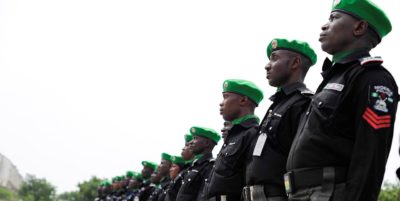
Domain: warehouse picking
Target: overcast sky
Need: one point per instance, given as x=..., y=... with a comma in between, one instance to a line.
x=93, y=87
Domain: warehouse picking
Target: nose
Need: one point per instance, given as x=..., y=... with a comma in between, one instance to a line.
x=325, y=27
x=268, y=67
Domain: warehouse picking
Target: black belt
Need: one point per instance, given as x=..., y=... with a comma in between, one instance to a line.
x=312, y=177
x=267, y=190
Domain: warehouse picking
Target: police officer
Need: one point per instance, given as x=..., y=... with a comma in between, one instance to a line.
x=163, y=171
x=342, y=145
x=288, y=64
x=204, y=141
x=240, y=98
x=147, y=171
x=134, y=185
x=187, y=157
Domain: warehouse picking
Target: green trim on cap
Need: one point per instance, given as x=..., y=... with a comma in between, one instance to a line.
x=150, y=164
x=188, y=137
x=245, y=118
x=297, y=46
x=129, y=173
x=205, y=132
x=166, y=156
x=245, y=88
x=365, y=10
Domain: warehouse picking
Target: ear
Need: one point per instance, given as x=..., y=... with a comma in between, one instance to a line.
x=243, y=100
x=360, y=28
x=295, y=63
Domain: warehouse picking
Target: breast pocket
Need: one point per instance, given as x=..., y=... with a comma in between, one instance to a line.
x=190, y=182
x=325, y=105
x=232, y=152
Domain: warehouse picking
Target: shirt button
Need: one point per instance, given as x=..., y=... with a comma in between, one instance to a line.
x=189, y=179
x=320, y=103
x=224, y=145
x=270, y=128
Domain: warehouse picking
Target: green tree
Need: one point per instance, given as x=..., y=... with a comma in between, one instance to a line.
x=36, y=189
x=7, y=195
x=87, y=191
x=390, y=192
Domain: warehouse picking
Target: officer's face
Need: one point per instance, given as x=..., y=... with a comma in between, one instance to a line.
x=225, y=129
x=186, y=152
x=198, y=144
x=146, y=172
x=155, y=178
x=134, y=183
x=278, y=67
x=230, y=106
x=164, y=166
x=174, y=171
x=337, y=33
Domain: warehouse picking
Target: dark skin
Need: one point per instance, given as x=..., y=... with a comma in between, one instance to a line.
x=234, y=106
x=201, y=145
x=146, y=172
x=226, y=128
x=155, y=178
x=186, y=152
x=134, y=183
x=164, y=167
x=284, y=68
x=344, y=33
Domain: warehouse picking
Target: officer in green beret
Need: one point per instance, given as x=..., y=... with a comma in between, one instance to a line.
x=343, y=143
x=187, y=159
x=240, y=99
x=204, y=141
x=147, y=171
x=289, y=62
x=134, y=184
x=163, y=171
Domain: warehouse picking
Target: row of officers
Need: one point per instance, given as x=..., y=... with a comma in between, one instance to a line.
x=329, y=146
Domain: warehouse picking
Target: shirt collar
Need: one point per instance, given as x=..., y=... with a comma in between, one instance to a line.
x=200, y=158
x=288, y=89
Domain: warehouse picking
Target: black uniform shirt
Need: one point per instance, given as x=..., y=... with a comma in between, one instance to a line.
x=280, y=125
x=350, y=124
x=228, y=176
x=193, y=182
x=175, y=185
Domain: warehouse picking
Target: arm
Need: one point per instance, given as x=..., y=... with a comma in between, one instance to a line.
x=374, y=122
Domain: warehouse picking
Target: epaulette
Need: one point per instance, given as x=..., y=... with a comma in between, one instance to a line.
x=366, y=61
x=305, y=91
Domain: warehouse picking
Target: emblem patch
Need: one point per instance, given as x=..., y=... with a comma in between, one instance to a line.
x=274, y=44
x=334, y=86
x=225, y=85
x=193, y=130
x=383, y=95
x=336, y=2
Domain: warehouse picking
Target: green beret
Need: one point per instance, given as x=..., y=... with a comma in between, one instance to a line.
x=205, y=132
x=137, y=175
x=295, y=46
x=365, y=10
x=166, y=156
x=149, y=164
x=106, y=183
x=177, y=160
x=129, y=174
x=114, y=179
x=245, y=88
x=188, y=137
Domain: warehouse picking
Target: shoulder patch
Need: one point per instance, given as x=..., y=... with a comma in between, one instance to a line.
x=367, y=60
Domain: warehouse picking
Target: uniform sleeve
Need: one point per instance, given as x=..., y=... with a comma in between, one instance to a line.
x=374, y=98
x=205, y=175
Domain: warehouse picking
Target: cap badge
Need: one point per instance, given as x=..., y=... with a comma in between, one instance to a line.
x=274, y=44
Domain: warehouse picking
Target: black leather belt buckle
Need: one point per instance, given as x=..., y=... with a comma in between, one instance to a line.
x=288, y=180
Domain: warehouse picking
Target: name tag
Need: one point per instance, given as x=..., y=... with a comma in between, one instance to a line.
x=334, y=86
x=260, y=144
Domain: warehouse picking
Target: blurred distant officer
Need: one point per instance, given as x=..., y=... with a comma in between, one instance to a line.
x=204, y=141
x=187, y=157
x=240, y=98
x=342, y=145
